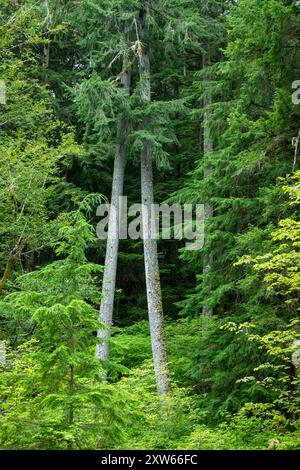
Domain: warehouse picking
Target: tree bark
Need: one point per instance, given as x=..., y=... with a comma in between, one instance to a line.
x=46, y=35
x=112, y=247
x=7, y=272
x=10, y=264
x=154, y=298
x=207, y=148
x=2, y=353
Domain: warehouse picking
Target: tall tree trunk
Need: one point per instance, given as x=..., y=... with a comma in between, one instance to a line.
x=207, y=148
x=46, y=35
x=112, y=247
x=154, y=298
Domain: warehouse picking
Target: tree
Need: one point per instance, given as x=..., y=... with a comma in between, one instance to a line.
x=114, y=223
x=52, y=393
x=207, y=148
x=34, y=150
x=253, y=122
x=103, y=106
x=130, y=24
x=279, y=270
x=155, y=310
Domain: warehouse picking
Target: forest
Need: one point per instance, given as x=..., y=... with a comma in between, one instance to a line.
x=134, y=341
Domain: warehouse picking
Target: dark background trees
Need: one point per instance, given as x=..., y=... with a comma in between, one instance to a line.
x=62, y=61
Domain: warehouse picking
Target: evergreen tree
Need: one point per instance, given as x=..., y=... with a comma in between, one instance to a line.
x=51, y=388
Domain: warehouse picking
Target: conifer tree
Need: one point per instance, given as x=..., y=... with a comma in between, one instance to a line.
x=207, y=149
x=114, y=225
x=62, y=401
x=155, y=309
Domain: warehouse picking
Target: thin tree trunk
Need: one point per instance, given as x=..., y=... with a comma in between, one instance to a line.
x=70, y=416
x=46, y=35
x=154, y=298
x=207, y=148
x=71, y=381
x=111, y=258
x=8, y=271
x=2, y=353
x=9, y=267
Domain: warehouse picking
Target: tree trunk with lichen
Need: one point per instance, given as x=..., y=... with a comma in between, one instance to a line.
x=207, y=149
x=112, y=246
x=154, y=297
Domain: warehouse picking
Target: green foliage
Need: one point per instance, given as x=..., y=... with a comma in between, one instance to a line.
x=51, y=388
x=281, y=266
x=158, y=426
x=253, y=428
x=36, y=148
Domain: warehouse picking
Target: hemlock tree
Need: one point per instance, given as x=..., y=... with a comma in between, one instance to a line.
x=253, y=122
x=132, y=25
x=200, y=33
x=103, y=106
x=207, y=149
x=155, y=309
x=114, y=223
x=52, y=393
